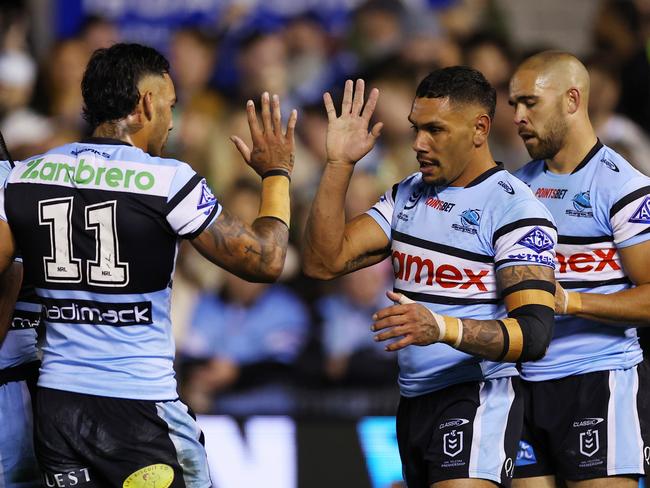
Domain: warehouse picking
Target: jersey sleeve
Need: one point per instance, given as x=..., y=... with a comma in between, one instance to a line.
x=525, y=234
x=629, y=215
x=382, y=211
x=191, y=205
x=5, y=169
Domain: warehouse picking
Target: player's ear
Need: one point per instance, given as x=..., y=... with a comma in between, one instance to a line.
x=147, y=105
x=481, y=129
x=573, y=100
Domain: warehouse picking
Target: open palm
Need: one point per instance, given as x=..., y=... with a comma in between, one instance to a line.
x=348, y=139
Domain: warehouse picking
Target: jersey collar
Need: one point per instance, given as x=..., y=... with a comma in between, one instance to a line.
x=485, y=175
x=105, y=141
x=592, y=152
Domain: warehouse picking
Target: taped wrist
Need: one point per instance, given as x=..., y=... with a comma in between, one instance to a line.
x=451, y=329
x=572, y=303
x=528, y=329
x=275, y=196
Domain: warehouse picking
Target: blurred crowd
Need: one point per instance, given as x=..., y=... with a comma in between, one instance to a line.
x=301, y=346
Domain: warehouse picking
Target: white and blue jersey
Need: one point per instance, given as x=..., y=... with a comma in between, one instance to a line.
x=447, y=244
x=602, y=206
x=98, y=224
x=19, y=346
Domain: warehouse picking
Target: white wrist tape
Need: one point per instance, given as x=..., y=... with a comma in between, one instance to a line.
x=450, y=329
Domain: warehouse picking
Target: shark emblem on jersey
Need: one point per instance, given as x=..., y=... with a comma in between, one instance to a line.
x=642, y=214
x=207, y=199
x=469, y=220
x=537, y=240
x=610, y=164
x=581, y=204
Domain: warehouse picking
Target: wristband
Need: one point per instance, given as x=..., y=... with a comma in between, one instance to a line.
x=450, y=329
x=275, y=197
x=277, y=172
x=572, y=303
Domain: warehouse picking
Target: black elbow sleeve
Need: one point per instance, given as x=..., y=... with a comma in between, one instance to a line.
x=536, y=323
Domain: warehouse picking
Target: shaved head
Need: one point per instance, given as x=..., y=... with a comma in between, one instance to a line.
x=550, y=93
x=557, y=70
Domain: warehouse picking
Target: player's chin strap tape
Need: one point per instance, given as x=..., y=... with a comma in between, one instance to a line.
x=275, y=196
x=528, y=329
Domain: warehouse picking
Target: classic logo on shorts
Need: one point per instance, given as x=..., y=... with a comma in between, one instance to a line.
x=582, y=205
x=453, y=423
x=537, y=240
x=589, y=442
x=642, y=214
x=469, y=221
x=452, y=443
x=153, y=476
x=207, y=200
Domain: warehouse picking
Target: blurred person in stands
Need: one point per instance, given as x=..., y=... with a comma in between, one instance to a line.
x=473, y=285
x=594, y=363
x=243, y=338
x=98, y=32
x=615, y=129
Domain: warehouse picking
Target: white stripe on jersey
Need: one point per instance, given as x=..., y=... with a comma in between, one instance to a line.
x=89, y=172
x=631, y=219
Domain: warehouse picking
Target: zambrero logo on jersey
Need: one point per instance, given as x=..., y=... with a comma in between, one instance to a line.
x=445, y=275
x=152, y=476
x=438, y=204
x=557, y=193
x=582, y=205
x=469, y=221
x=642, y=214
x=87, y=174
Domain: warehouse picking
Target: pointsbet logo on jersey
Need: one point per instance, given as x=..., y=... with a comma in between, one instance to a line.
x=87, y=174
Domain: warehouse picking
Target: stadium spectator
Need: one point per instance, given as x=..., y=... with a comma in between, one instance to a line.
x=463, y=378
x=594, y=363
x=98, y=223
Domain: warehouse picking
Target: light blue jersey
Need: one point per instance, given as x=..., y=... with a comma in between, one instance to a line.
x=99, y=223
x=603, y=205
x=19, y=346
x=447, y=245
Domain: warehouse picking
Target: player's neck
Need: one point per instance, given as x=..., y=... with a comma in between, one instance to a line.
x=120, y=132
x=475, y=168
x=577, y=146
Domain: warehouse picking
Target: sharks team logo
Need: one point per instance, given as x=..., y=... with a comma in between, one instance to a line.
x=469, y=221
x=582, y=205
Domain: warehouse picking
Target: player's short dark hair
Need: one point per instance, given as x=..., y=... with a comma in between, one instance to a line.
x=461, y=84
x=110, y=83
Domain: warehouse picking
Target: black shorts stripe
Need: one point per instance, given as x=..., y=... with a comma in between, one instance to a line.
x=520, y=223
x=628, y=199
x=530, y=285
x=584, y=240
x=183, y=192
x=426, y=297
x=570, y=285
x=442, y=248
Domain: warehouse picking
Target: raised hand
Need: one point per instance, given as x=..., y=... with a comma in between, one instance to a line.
x=348, y=139
x=272, y=149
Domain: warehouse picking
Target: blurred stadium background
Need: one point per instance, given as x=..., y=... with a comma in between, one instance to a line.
x=291, y=387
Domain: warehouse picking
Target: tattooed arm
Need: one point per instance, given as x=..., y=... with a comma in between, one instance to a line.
x=523, y=336
x=331, y=246
x=256, y=252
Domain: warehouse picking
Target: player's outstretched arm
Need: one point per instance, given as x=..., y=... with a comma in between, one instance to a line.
x=331, y=246
x=624, y=307
x=523, y=336
x=256, y=252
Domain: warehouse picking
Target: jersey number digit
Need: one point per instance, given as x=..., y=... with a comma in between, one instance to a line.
x=61, y=266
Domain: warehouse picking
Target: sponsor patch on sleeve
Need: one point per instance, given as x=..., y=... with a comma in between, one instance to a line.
x=537, y=240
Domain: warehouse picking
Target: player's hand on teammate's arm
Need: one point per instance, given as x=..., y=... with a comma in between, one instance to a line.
x=407, y=321
x=348, y=138
x=566, y=302
x=273, y=148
